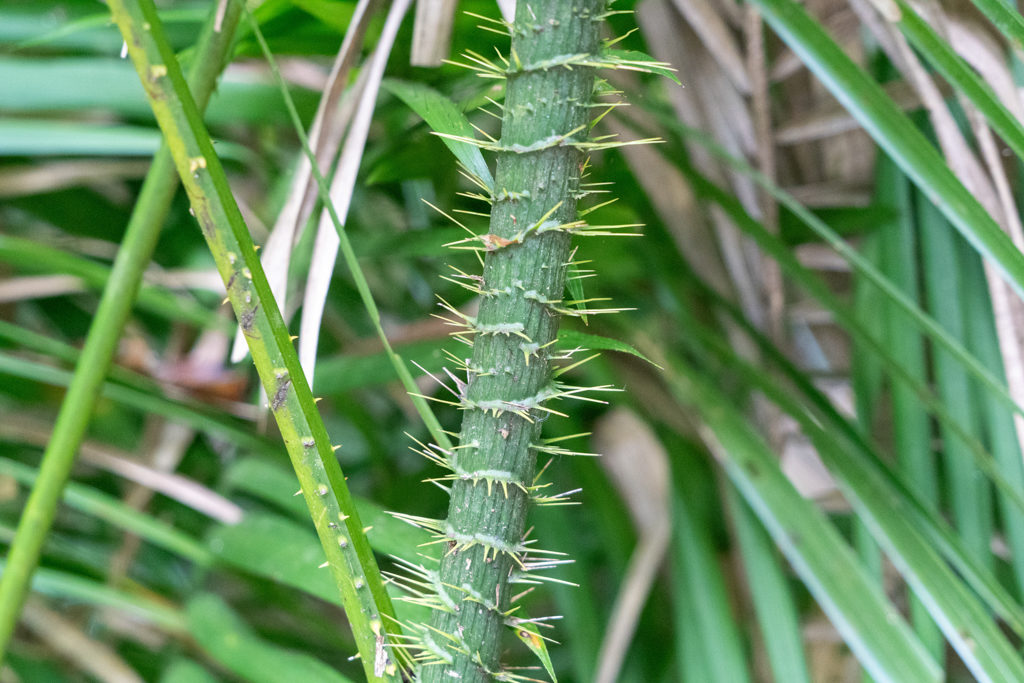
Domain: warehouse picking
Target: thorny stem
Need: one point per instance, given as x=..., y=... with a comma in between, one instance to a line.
x=341, y=533
x=546, y=112
x=115, y=305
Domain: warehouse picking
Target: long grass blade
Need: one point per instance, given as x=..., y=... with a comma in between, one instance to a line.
x=695, y=573
x=773, y=600
x=938, y=51
x=968, y=495
x=1006, y=17
x=911, y=427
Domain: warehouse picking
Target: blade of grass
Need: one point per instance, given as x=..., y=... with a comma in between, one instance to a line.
x=1006, y=17
x=349, y=556
x=697, y=573
x=115, y=305
x=867, y=377
x=232, y=643
x=968, y=495
x=938, y=51
x=911, y=428
x=75, y=588
x=441, y=114
x=998, y=421
x=577, y=601
x=773, y=600
x=895, y=133
x=186, y=671
x=32, y=256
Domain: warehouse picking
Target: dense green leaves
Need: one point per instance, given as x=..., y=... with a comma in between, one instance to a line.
x=747, y=385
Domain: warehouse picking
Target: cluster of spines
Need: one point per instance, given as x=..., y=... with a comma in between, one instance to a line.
x=428, y=646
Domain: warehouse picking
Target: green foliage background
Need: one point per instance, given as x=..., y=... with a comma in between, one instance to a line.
x=745, y=355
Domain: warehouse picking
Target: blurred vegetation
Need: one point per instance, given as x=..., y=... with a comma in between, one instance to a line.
x=818, y=475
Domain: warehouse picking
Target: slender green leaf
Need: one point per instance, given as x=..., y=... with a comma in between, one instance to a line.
x=444, y=117
x=967, y=83
x=898, y=260
x=74, y=588
x=206, y=420
x=34, y=257
x=997, y=420
x=37, y=137
x=1005, y=16
x=696, y=570
x=186, y=671
x=77, y=83
x=773, y=600
x=530, y=636
x=294, y=559
x=568, y=338
x=968, y=494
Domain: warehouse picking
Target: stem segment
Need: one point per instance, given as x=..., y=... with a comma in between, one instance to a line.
x=546, y=113
x=349, y=558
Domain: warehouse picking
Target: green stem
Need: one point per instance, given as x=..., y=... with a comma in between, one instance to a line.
x=546, y=113
x=349, y=558
x=115, y=305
